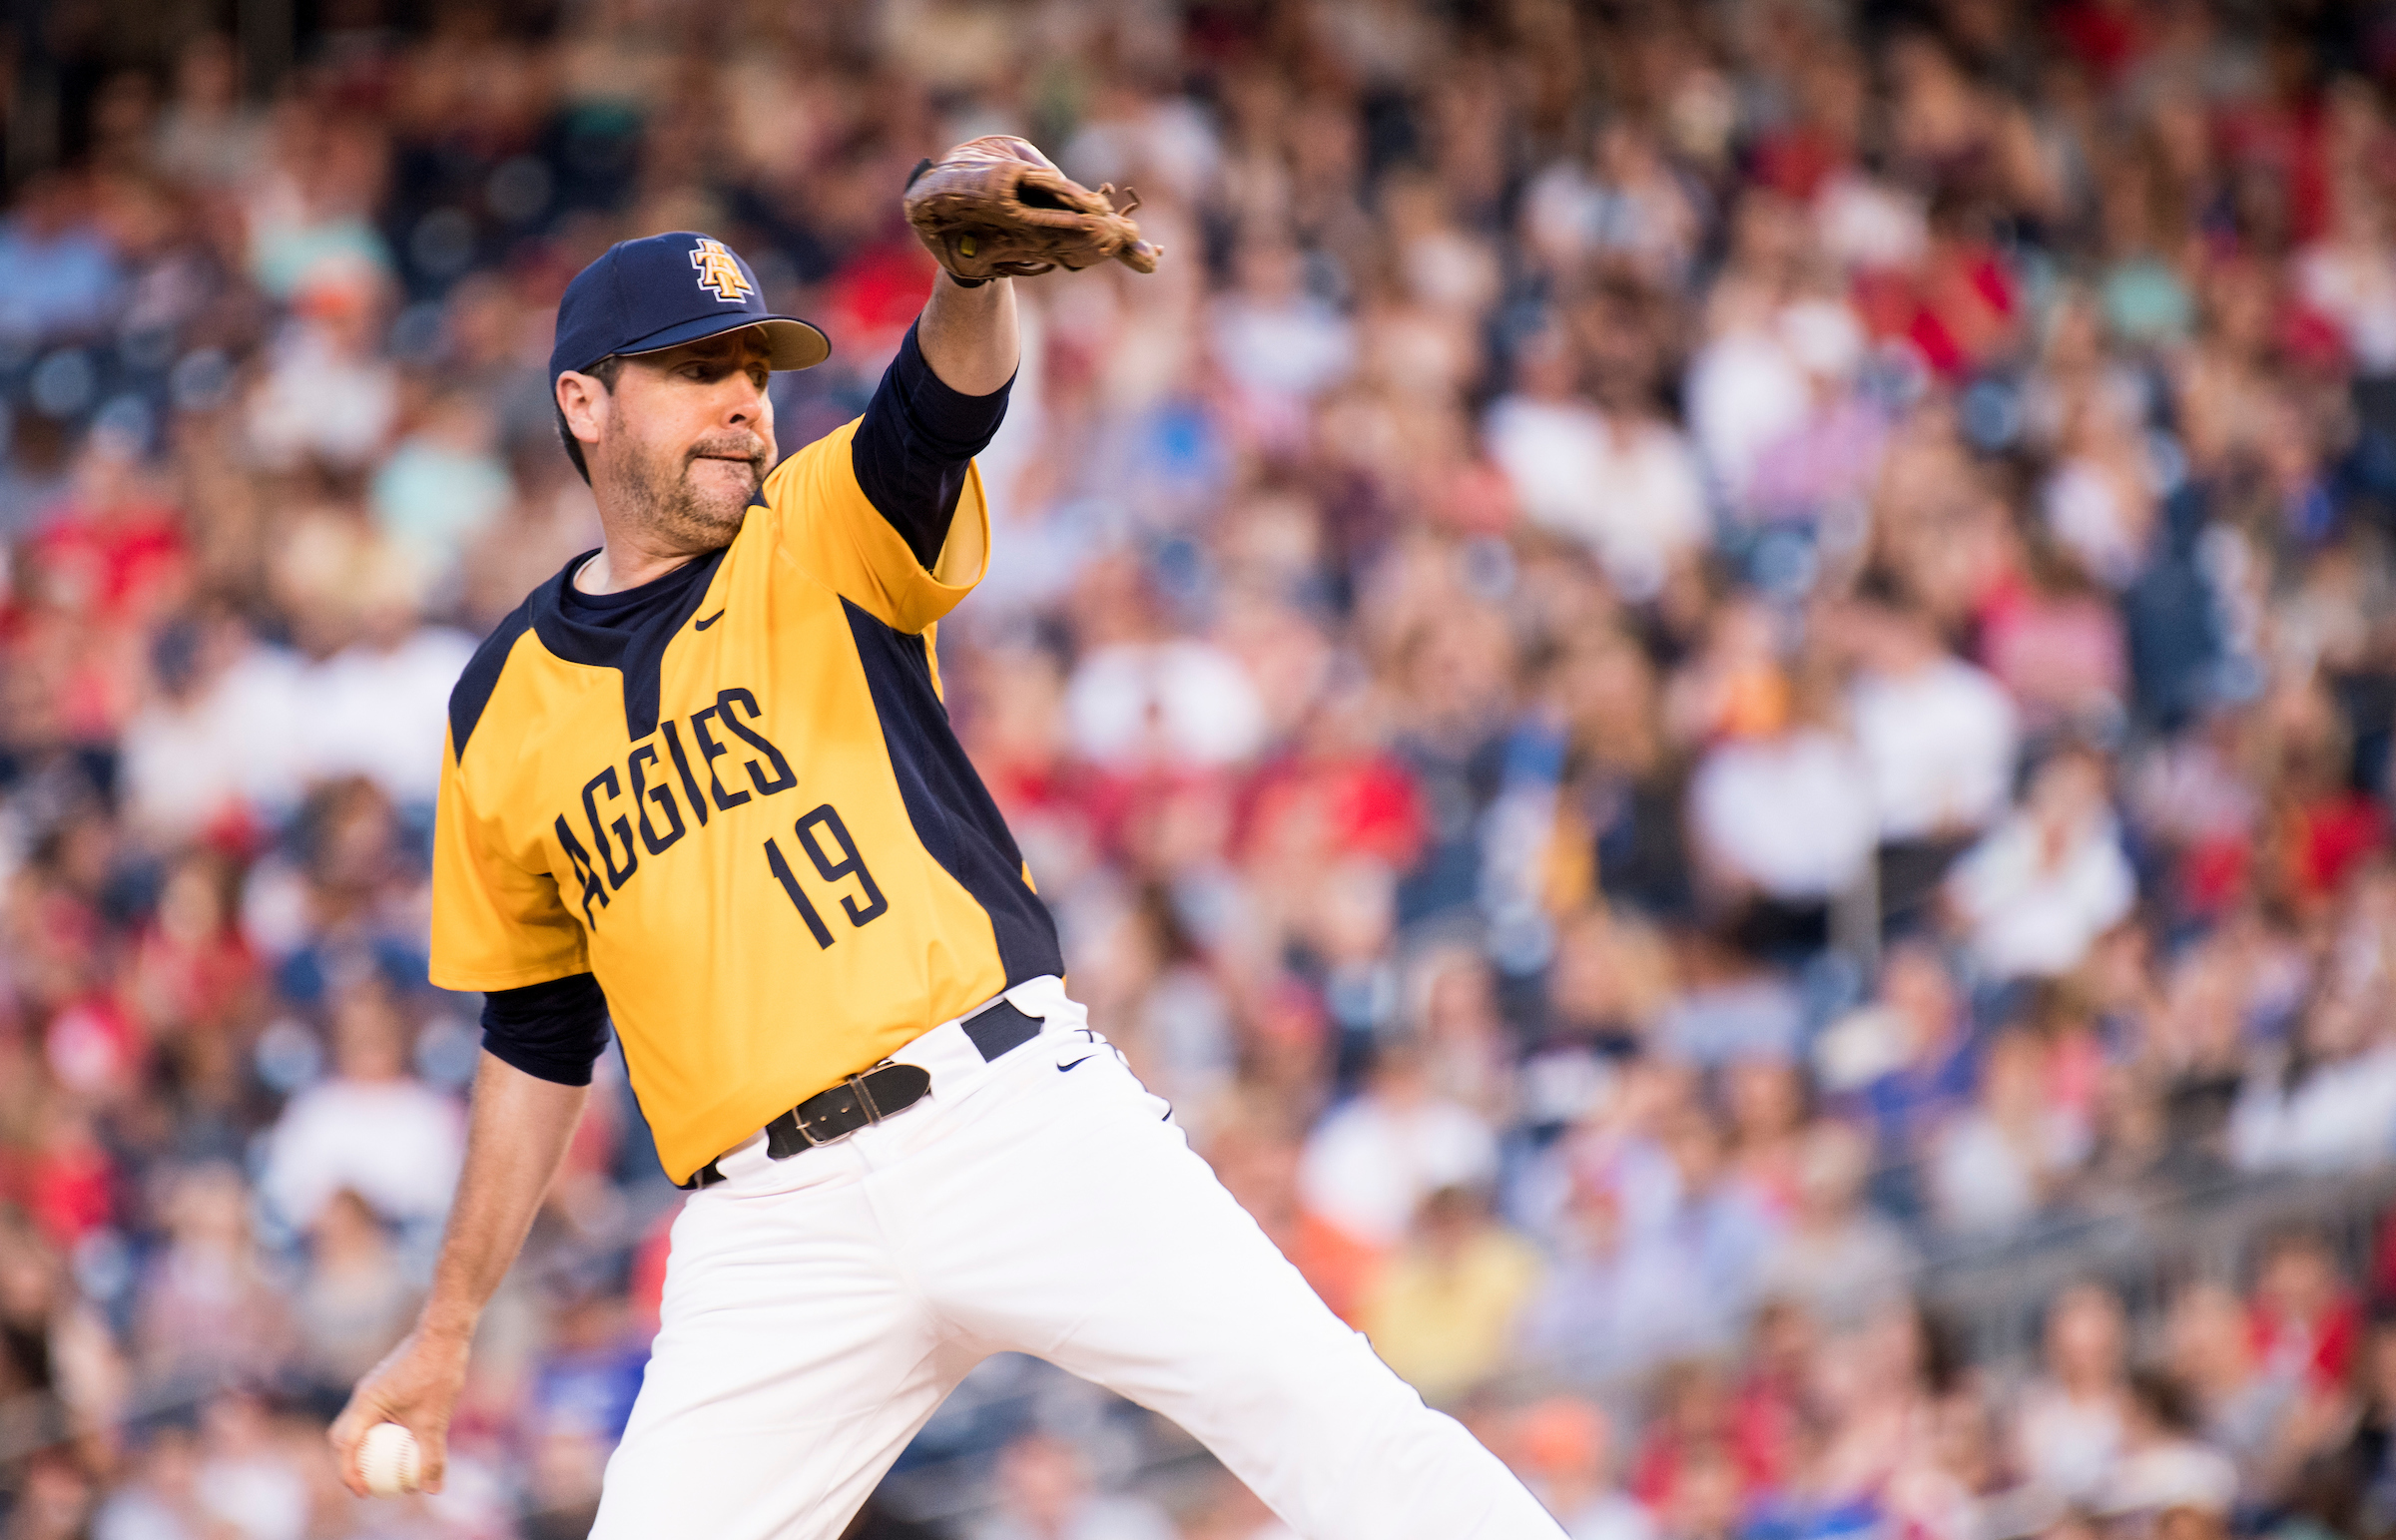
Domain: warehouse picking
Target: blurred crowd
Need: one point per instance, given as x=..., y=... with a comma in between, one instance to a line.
x=1690, y=668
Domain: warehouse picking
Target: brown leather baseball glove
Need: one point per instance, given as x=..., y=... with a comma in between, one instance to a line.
x=996, y=206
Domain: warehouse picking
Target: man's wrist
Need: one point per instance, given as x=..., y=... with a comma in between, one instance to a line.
x=450, y=1325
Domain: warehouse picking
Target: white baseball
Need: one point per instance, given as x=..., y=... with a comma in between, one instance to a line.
x=386, y=1458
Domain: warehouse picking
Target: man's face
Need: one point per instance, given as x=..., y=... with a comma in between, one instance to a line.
x=686, y=438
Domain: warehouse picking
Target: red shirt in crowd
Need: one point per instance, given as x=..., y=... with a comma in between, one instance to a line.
x=2325, y=1344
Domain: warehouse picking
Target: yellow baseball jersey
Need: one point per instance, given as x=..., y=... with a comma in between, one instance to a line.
x=745, y=815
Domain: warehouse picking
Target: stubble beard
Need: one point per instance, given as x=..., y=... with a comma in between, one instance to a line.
x=692, y=516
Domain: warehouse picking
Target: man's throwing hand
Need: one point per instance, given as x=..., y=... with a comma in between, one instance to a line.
x=416, y=1385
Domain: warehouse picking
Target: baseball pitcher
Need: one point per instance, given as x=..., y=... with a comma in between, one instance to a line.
x=702, y=785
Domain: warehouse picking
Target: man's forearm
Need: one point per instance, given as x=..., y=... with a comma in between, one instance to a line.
x=514, y=1142
x=968, y=335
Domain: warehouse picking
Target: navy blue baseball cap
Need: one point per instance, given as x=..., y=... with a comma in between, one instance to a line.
x=664, y=290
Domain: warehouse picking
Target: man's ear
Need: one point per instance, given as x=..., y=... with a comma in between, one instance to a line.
x=584, y=404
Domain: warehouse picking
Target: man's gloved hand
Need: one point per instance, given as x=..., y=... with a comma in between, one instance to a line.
x=996, y=206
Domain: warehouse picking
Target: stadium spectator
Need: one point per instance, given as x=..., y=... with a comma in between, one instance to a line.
x=1443, y=1312
x=2164, y=1465
x=1372, y=1162
x=372, y=1129
x=1937, y=740
x=356, y=1300
x=1995, y=1167
x=2241, y=1400
x=1045, y=1494
x=2073, y=1420
x=2045, y=883
x=1566, y=1455
x=2304, y=1317
x=1838, y=1259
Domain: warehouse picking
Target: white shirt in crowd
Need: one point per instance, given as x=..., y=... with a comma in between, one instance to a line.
x=1295, y=348
x=1175, y=703
x=256, y=1499
x=321, y=400
x=231, y=743
x=1370, y=1164
x=396, y=1143
x=272, y=723
x=2356, y=288
x=1790, y=813
x=1628, y=491
x=1095, y=1518
x=2340, y=1116
x=1984, y=1180
x=1610, y=1516
x=384, y=713
x=2033, y=916
x=1746, y=392
x=2176, y=1473
x=2068, y=1446
x=1939, y=744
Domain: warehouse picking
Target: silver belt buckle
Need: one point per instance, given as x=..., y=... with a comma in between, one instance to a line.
x=856, y=1086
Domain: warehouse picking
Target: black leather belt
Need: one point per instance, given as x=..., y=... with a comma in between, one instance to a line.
x=881, y=1092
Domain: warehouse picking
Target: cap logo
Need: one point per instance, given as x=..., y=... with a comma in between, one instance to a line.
x=719, y=270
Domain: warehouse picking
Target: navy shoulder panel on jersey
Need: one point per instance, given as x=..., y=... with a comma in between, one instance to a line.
x=946, y=801
x=472, y=691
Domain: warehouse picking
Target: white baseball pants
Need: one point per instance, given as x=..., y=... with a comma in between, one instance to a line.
x=818, y=1310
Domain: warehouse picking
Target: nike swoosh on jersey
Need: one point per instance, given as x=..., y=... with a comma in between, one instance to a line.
x=702, y=625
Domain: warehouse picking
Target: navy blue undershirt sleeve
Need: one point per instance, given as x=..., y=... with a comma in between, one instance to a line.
x=553, y=1031
x=913, y=445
